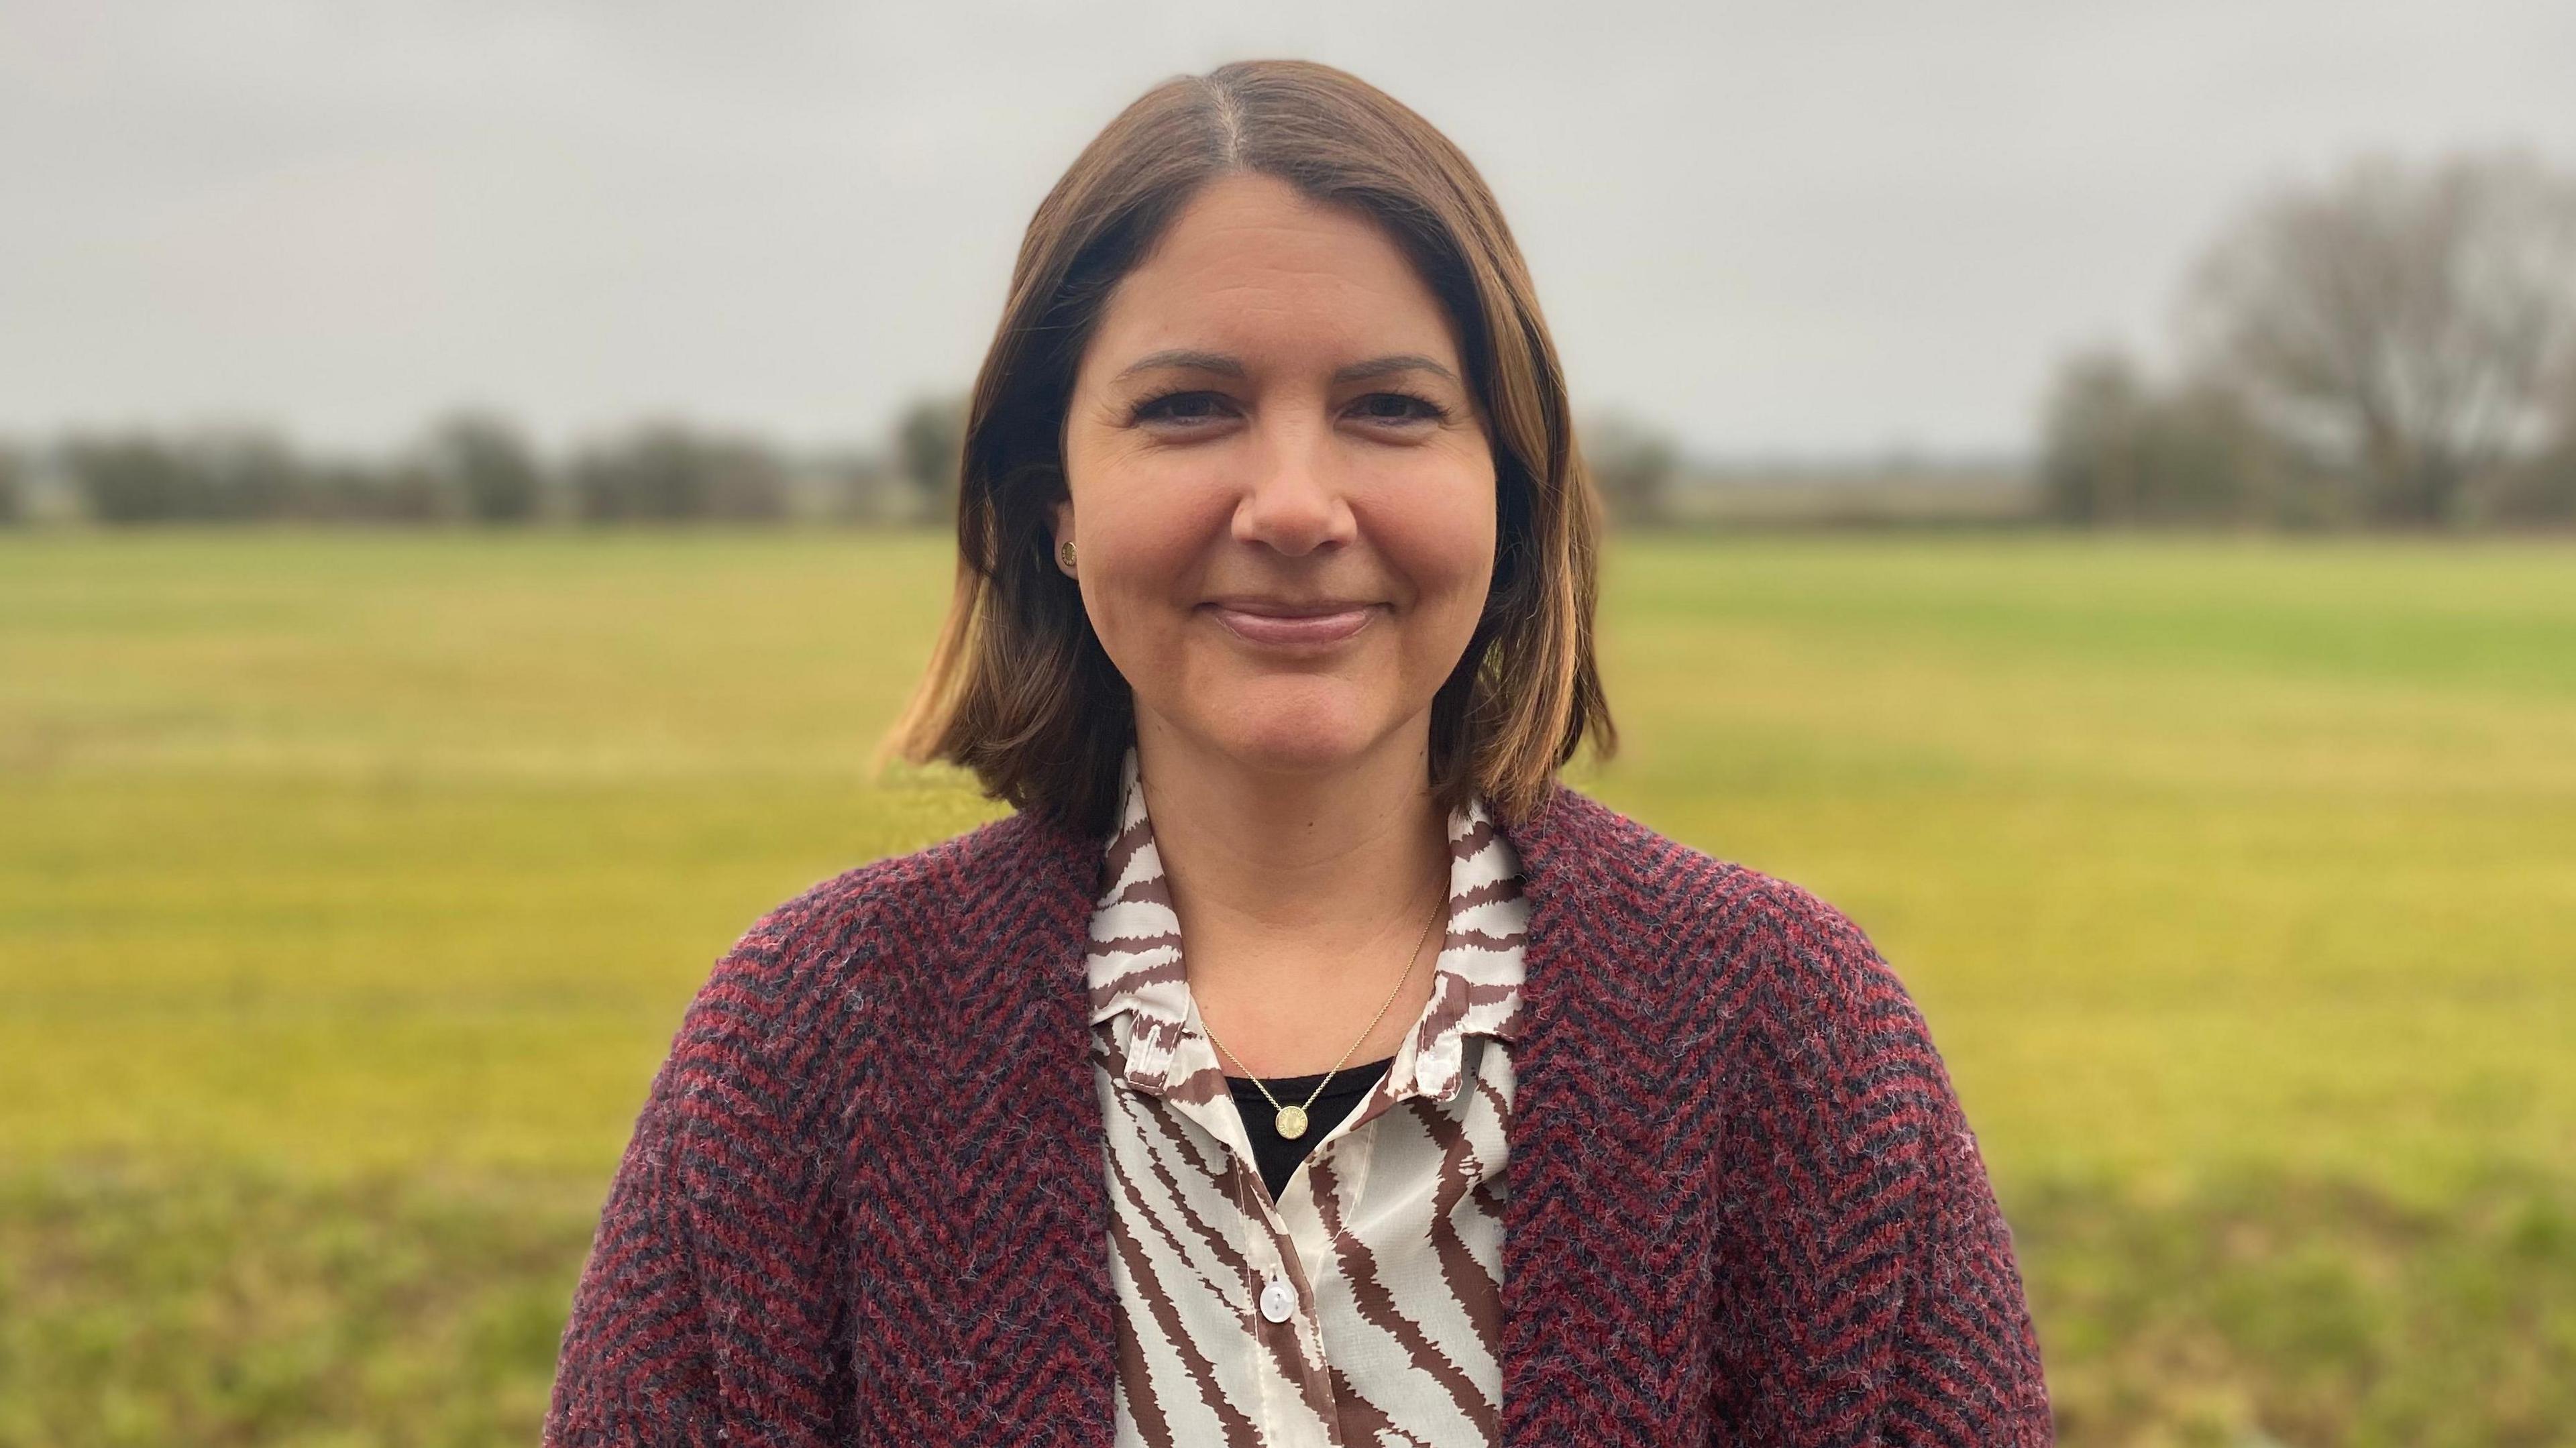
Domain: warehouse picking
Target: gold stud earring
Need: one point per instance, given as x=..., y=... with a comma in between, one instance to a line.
x=1064, y=550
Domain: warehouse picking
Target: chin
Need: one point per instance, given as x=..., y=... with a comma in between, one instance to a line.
x=1295, y=736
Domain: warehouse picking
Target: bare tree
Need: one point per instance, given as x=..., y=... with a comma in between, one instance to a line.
x=483, y=457
x=2397, y=322
x=217, y=471
x=2116, y=446
x=13, y=486
x=663, y=470
x=2096, y=406
x=930, y=438
x=2541, y=489
x=1633, y=465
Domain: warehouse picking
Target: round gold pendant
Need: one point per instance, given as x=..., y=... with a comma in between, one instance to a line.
x=1292, y=1122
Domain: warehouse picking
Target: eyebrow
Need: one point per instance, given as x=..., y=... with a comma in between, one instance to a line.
x=1191, y=360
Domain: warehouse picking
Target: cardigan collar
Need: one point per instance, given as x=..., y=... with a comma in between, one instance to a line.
x=1569, y=1165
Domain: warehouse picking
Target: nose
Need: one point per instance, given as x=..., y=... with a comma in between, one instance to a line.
x=1293, y=495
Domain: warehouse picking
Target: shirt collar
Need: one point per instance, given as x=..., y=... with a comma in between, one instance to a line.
x=1135, y=952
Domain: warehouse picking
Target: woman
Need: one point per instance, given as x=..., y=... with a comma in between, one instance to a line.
x=1273, y=619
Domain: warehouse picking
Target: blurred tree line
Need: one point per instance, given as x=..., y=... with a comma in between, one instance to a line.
x=477, y=467
x=2393, y=346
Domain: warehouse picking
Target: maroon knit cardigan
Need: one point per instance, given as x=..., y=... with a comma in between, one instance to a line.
x=865, y=1200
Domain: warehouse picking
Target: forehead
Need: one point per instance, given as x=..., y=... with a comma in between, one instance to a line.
x=1252, y=265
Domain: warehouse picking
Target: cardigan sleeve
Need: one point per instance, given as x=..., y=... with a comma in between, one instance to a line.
x=1964, y=1367
x=703, y=1313
x=1948, y=1357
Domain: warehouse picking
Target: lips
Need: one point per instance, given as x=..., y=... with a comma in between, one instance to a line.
x=1281, y=625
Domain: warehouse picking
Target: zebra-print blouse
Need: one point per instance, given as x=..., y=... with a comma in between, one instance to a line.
x=1364, y=1304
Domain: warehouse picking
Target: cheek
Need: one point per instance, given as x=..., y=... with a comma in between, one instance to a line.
x=1146, y=541
x=1440, y=538
x=1153, y=542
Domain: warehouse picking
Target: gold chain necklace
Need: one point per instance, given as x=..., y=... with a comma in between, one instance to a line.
x=1291, y=1122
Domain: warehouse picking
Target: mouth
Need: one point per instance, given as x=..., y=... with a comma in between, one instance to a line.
x=1275, y=624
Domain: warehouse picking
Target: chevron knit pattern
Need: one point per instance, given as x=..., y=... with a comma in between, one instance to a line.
x=865, y=1199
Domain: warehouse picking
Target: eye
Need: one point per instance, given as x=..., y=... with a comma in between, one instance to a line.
x=1189, y=409
x=1401, y=407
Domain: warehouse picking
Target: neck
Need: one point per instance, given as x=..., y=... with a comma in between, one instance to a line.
x=1313, y=880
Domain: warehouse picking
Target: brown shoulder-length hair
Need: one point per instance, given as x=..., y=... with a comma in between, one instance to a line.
x=1018, y=688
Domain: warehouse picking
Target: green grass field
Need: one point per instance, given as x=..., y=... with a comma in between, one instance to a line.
x=352, y=885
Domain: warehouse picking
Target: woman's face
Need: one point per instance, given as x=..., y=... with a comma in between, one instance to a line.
x=1282, y=493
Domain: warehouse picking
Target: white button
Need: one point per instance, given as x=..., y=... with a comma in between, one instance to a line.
x=1278, y=1299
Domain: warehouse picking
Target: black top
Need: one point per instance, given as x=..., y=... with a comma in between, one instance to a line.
x=1278, y=1155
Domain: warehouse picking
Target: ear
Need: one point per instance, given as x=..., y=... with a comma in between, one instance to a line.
x=1063, y=515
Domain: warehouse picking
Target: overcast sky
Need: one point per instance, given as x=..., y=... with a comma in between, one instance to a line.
x=1793, y=227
